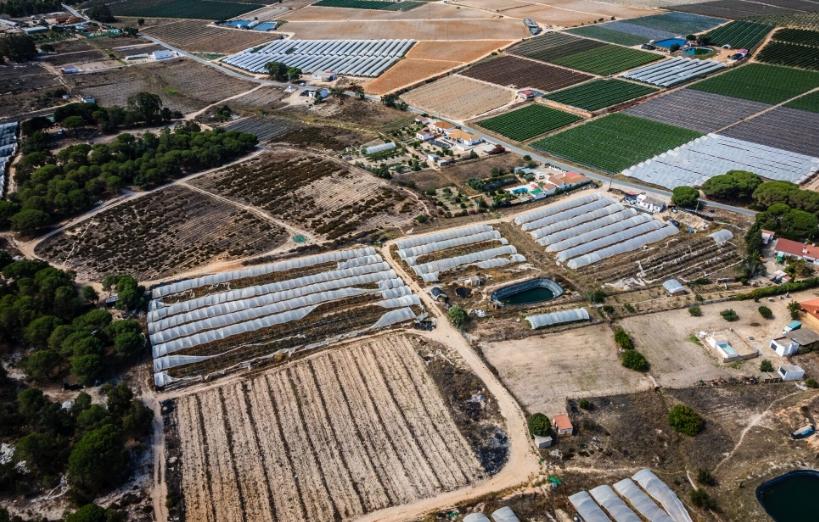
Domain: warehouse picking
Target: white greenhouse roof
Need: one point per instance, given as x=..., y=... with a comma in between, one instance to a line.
x=587, y=508
x=722, y=236
x=673, y=71
x=640, y=501
x=663, y=494
x=561, y=317
x=619, y=511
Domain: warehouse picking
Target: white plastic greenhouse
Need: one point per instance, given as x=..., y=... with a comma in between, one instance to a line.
x=663, y=494
x=560, y=317
x=673, y=71
x=587, y=508
x=640, y=501
x=623, y=247
x=548, y=210
x=619, y=511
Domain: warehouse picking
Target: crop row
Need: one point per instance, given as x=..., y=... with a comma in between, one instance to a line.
x=740, y=34
x=797, y=36
x=792, y=55
x=528, y=122
x=210, y=10
x=808, y=102
x=615, y=142
x=605, y=60
x=369, y=4
x=554, y=45
x=519, y=72
x=761, y=82
x=601, y=32
x=599, y=94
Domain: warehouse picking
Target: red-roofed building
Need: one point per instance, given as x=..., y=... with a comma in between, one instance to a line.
x=788, y=248
x=562, y=424
x=811, y=309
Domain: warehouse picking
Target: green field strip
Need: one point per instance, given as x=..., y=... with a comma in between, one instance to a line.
x=528, y=122
x=761, y=82
x=808, y=102
x=608, y=35
x=599, y=94
x=606, y=60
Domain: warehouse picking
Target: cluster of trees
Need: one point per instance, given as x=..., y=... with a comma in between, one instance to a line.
x=42, y=310
x=629, y=357
x=100, y=12
x=539, y=425
x=143, y=108
x=282, y=73
x=686, y=197
x=19, y=8
x=17, y=48
x=736, y=186
x=52, y=187
x=88, y=442
x=393, y=101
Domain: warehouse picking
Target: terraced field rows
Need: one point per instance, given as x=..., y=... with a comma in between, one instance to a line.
x=333, y=437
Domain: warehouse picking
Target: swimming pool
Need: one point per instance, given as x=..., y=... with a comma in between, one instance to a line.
x=669, y=42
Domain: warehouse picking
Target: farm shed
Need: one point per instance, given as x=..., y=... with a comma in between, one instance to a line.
x=673, y=71
x=663, y=494
x=587, y=508
x=790, y=343
x=789, y=248
x=619, y=511
x=562, y=424
x=791, y=372
x=367, y=58
x=673, y=287
x=554, y=318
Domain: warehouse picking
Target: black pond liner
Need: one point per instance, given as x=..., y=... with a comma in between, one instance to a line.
x=794, y=507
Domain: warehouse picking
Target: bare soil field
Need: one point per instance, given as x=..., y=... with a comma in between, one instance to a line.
x=558, y=13
x=517, y=73
x=459, y=98
x=266, y=129
x=26, y=87
x=318, y=194
x=468, y=29
x=408, y=72
x=182, y=84
x=347, y=432
x=169, y=231
x=543, y=371
x=453, y=50
x=262, y=98
x=200, y=36
x=74, y=57
x=677, y=361
x=428, y=11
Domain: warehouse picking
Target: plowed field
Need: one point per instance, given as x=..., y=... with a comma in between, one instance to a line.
x=459, y=97
x=518, y=73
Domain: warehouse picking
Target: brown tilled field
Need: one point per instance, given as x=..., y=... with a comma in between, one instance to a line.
x=459, y=97
x=514, y=72
x=428, y=11
x=455, y=51
x=347, y=432
x=315, y=193
x=468, y=29
x=160, y=234
x=197, y=35
x=182, y=84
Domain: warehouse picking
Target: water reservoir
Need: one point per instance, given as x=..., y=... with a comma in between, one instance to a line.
x=791, y=497
x=527, y=292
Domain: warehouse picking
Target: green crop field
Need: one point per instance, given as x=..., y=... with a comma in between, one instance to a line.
x=200, y=9
x=607, y=59
x=607, y=35
x=615, y=142
x=792, y=55
x=761, y=82
x=528, y=122
x=599, y=94
x=369, y=4
x=740, y=35
x=808, y=102
x=797, y=36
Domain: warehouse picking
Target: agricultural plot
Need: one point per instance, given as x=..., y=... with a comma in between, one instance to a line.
x=740, y=34
x=26, y=87
x=459, y=97
x=586, y=230
x=351, y=57
x=615, y=142
x=761, y=82
x=315, y=193
x=437, y=255
x=202, y=9
x=463, y=28
x=678, y=23
x=808, y=102
x=266, y=129
x=265, y=97
x=553, y=45
x=696, y=110
x=408, y=72
x=369, y=4
x=797, y=36
x=510, y=71
x=644, y=31
x=695, y=162
x=228, y=320
x=783, y=128
x=332, y=437
x=528, y=122
x=197, y=36
x=600, y=94
x=606, y=60
x=163, y=233
x=738, y=9
x=791, y=55
x=606, y=34
x=673, y=71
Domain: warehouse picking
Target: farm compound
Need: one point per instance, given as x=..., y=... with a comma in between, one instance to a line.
x=693, y=163
x=346, y=432
x=673, y=71
x=431, y=255
x=585, y=230
x=367, y=58
x=225, y=320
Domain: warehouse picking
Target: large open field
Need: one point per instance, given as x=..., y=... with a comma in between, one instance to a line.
x=204, y=9
x=459, y=97
x=615, y=142
x=740, y=34
x=565, y=13
x=26, y=87
x=528, y=122
x=160, y=234
x=761, y=82
x=510, y=71
x=783, y=128
x=794, y=48
x=324, y=197
x=808, y=102
x=600, y=94
x=363, y=29
x=198, y=36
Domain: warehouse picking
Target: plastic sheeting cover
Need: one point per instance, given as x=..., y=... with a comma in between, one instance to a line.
x=587, y=508
x=619, y=511
x=721, y=237
x=640, y=501
x=554, y=208
x=664, y=495
x=560, y=317
x=505, y=514
x=476, y=517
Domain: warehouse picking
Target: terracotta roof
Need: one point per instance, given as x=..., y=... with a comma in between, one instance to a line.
x=443, y=125
x=568, y=178
x=795, y=248
x=562, y=422
x=458, y=134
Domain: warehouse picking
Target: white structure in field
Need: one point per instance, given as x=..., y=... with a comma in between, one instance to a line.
x=698, y=160
x=673, y=71
x=587, y=229
x=791, y=372
x=367, y=58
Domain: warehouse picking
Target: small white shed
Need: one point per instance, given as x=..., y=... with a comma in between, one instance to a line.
x=791, y=372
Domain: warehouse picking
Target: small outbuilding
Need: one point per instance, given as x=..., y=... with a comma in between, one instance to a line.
x=791, y=372
x=794, y=341
x=543, y=442
x=438, y=294
x=562, y=424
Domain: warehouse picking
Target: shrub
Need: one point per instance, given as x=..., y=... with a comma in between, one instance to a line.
x=695, y=310
x=596, y=296
x=685, y=420
x=811, y=383
x=97, y=462
x=794, y=309
x=703, y=500
x=729, y=315
x=457, y=316
x=634, y=360
x=539, y=425
x=623, y=340
x=765, y=312
x=686, y=197
x=630, y=309
x=585, y=404
x=705, y=477
x=766, y=366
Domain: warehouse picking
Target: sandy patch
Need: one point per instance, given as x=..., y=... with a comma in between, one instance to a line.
x=408, y=72
x=429, y=11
